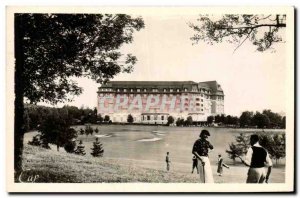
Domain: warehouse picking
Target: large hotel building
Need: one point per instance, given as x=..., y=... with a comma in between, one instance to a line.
x=152, y=102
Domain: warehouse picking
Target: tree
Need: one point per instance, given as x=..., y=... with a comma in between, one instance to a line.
x=99, y=118
x=52, y=48
x=210, y=119
x=80, y=149
x=217, y=118
x=260, y=120
x=96, y=130
x=275, y=118
x=81, y=131
x=234, y=151
x=189, y=121
x=56, y=130
x=239, y=147
x=88, y=130
x=129, y=118
x=245, y=118
x=97, y=150
x=170, y=120
x=274, y=143
x=106, y=118
x=179, y=122
x=70, y=146
x=263, y=31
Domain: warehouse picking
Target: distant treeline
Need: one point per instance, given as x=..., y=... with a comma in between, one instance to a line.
x=35, y=115
x=249, y=119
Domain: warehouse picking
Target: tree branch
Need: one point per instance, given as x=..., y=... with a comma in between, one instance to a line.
x=243, y=41
x=252, y=27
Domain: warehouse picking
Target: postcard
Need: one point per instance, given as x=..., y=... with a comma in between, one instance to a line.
x=150, y=99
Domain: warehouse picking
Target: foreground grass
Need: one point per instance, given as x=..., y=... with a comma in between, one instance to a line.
x=60, y=167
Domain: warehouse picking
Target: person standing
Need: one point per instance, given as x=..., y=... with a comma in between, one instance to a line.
x=168, y=161
x=200, y=150
x=195, y=164
x=257, y=158
x=220, y=165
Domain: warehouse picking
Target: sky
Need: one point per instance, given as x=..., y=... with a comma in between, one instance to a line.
x=251, y=80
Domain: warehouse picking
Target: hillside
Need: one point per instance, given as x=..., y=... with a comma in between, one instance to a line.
x=60, y=167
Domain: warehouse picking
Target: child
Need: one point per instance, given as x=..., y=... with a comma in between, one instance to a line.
x=220, y=165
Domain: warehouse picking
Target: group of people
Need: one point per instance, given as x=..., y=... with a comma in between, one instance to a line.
x=257, y=158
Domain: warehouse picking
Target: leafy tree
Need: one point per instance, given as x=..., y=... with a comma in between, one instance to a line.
x=179, y=122
x=70, y=146
x=97, y=150
x=88, y=130
x=243, y=142
x=99, y=118
x=129, y=118
x=189, y=120
x=275, y=118
x=234, y=120
x=239, y=147
x=170, y=120
x=263, y=31
x=245, y=118
x=260, y=120
x=81, y=131
x=52, y=48
x=210, y=119
x=96, y=130
x=106, y=118
x=217, y=118
x=56, y=130
x=223, y=119
x=234, y=151
x=274, y=143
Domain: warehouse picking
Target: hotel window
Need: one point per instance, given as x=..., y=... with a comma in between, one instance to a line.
x=201, y=109
x=145, y=90
x=131, y=90
x=138, y=90
x=148, y=117
x=165, y=90
x=162, y=117
x=171, y=90
x=201, y=105
x=118, y=90
x=125, y=90
x=155, y=117
x=185, y=89
x=201, y=100
x=177, y=90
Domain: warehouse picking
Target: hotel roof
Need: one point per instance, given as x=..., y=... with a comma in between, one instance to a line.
x=212, y=85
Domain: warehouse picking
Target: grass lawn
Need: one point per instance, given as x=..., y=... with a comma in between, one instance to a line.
x=126, y=159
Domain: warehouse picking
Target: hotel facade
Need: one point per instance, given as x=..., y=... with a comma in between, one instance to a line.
x=152, y=102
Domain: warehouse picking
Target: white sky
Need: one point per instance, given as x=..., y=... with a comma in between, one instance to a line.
x=251, y=80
